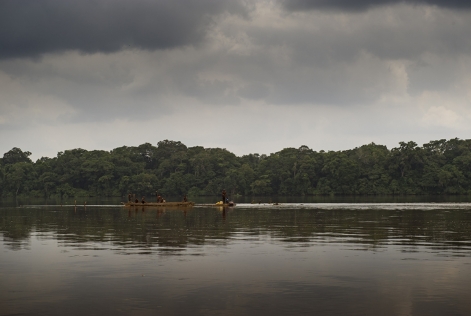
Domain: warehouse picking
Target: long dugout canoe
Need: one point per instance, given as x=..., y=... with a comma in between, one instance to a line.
x=166, y=204
x=221, y=205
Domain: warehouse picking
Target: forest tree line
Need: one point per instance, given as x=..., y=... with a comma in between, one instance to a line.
x=173, y=169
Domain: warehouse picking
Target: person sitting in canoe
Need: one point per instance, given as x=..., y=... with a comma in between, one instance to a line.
x=185, y=199
x=143, y=199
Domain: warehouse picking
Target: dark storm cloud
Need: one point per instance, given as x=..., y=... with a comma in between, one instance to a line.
x=29, y=28
x=360, y=5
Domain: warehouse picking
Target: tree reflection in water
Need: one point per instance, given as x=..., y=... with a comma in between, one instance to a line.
x=169, y=230
x=248, y=260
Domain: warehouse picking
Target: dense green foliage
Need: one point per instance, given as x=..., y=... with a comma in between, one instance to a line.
x=171, y=168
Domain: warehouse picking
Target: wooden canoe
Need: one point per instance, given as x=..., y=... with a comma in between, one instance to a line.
x=221, y=205
x=166, y=204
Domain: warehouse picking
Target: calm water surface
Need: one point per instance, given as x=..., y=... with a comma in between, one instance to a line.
x=323, y=259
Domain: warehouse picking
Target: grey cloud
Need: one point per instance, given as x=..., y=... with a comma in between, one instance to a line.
x=361, y=5
x=29, y=28
x=315, y=58
x=319, y=60
x=254, y=91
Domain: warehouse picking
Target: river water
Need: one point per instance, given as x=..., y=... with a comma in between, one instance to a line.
x=293, y=258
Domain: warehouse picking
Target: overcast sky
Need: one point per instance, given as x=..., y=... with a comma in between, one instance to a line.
x=248, y=76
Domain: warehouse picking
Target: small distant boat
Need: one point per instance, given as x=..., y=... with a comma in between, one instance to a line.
x=166, y=204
